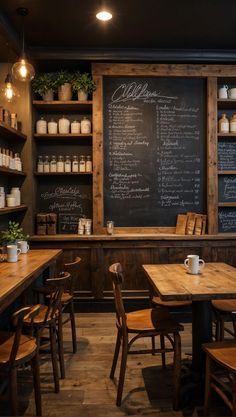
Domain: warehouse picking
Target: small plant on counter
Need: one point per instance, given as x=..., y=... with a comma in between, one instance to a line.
x=44, y=82
x=84, y=82
x=13, y=234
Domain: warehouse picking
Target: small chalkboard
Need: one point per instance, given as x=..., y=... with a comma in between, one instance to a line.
x=227, y=154
x=68, y=223
x=227, y=188
x=154, y=149
x=227, y=219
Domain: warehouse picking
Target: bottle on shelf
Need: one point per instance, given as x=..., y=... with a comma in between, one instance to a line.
x=2, y=197
x=53, y=164
x=85, y=125
x=52, y=127
x=3, y=157
x=11, y=161
x=88, y=164
x=82, y=163
x=7, y=159
x=64, y=125
x=18, y=164
x=60, y=164
x=75, y=127
x=40, y=164
x=41, y=126
x=15, y=191
x=75, y=164
x=232, y=124
x=223, y=124
x=67, y=164
x=11, y=200
x=46, y=164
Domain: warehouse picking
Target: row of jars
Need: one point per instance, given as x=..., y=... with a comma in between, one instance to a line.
x=10, y=160
x=63, y=126
x=10, y=200
x=226, y=125
x=60, y=164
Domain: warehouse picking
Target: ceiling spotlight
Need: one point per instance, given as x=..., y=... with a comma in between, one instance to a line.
x=22, y=70
x=104, y=15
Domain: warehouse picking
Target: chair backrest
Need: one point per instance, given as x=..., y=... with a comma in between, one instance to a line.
x=17, y=320
x=117, y=281
x=72, y=268
x=56, y=287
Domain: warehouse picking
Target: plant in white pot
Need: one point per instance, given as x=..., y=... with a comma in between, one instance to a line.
x=83, y=85
x=64, y=84
x=45, y=84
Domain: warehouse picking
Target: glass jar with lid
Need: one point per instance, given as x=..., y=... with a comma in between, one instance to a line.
x=85, y=125
x=53, y=164
x=67, y=164
x=40, y=164
x=46, y=165
x=60, y=164
x=75, y=164
x=88, y=164
x=82, y=163
x=52, y=127
x=41, y=126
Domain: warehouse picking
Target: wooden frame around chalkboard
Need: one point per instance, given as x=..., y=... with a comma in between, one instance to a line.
x=211, y=74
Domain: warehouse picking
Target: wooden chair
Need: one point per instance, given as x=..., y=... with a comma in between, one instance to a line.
x=142, y=323
x=49, y=316
x=15, y=350
x=220, y=373
x=225, y=311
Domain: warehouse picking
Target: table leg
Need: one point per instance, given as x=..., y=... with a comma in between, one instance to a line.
x=201, y=332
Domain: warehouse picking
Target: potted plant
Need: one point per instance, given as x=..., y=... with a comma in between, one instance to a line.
x=64, y=81
x=45, y=84
x=13, y=234
x=83, y=84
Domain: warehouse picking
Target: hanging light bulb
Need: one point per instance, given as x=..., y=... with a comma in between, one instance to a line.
x=22, y=70
x=104, y=14
x=8, y=91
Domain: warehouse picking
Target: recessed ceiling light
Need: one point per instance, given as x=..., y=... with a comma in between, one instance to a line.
x=104, y=15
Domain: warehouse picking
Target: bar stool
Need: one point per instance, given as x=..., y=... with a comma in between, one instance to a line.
x=49, y=316
x=225, y=310
x=142, y=323
x=16, y=349
x=220, y=373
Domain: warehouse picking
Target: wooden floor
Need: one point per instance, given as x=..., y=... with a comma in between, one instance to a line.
x=87, y=390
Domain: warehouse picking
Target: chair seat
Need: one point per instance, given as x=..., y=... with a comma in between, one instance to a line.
x=152, y=319
x=156, y=300
x=227, y=306
x=27, y=347
x=223, y=352
x=66, y=298
x=40, y=318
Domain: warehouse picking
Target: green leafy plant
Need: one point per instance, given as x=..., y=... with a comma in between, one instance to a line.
x=83, y=82
x=62, y=77
x=13, y=233
x=44, y=82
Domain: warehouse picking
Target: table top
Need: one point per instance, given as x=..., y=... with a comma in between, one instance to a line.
x=173, y=282
x=16, y=276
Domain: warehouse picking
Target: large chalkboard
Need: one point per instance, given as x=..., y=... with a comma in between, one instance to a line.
x=227, y=154
x=154, y=149
x=227, y=188
x=70, y=198
x=227, y=219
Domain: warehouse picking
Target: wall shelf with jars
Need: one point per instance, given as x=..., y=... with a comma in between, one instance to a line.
x=63, y=148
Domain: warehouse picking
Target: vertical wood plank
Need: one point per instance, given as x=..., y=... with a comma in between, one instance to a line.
x=212, y=178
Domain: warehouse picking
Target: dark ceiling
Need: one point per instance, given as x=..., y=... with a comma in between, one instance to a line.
x=139, y=29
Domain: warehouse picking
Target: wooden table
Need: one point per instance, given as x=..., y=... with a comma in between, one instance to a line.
x=16, y=277
x=173, y=282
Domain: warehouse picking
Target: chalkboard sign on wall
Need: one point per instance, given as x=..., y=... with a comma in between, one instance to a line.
x=227, y=188
x=227, y=220
x=154, y=149
x=227, y=154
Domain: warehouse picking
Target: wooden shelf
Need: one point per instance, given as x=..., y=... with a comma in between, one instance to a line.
x=230, y=172
x=8, y=132
x=61, y=173
x=227, y=204
x=63, y=106
x=227, y=135
x=7, y=210
x=13, y=172
x=226, y=103
x=63, y=136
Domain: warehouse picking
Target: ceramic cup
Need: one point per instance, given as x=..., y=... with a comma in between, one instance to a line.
x=12, y=253
x=23, y=245
x=232, y=93
x=223, y=92
x=193, y=264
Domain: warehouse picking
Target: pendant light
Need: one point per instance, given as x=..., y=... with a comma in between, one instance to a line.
x=104, y=14
x=8, y=91
x=22, y=70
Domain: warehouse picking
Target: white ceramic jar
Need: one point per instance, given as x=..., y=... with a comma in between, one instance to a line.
x=64, y=125
x=15, y=191
x=41, y=126
x=52, y=127
x=75, y=127
x=85, y=125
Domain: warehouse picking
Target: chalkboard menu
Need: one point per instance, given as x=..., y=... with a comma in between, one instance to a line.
x=154, y=149
x=70, y=199
x=227, y=220
x=227, y=154
x=227, y=188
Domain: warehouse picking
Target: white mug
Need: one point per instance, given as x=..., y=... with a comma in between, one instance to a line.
x=193, y=264
x=12, y=253
x=23, y=245
x=232, y=93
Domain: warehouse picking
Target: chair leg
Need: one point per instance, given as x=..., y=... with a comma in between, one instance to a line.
x=60, y=346
x=234, y=396
x=163, y=355
x=13, y=391
x=52, y=329
x=177, y=370
x=116, y=355
x=73, y=328
x=122, y=370
x=207, y=399
x=37, y=391
x=153, y=345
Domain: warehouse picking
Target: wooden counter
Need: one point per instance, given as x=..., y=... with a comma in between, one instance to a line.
x=17, y=276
